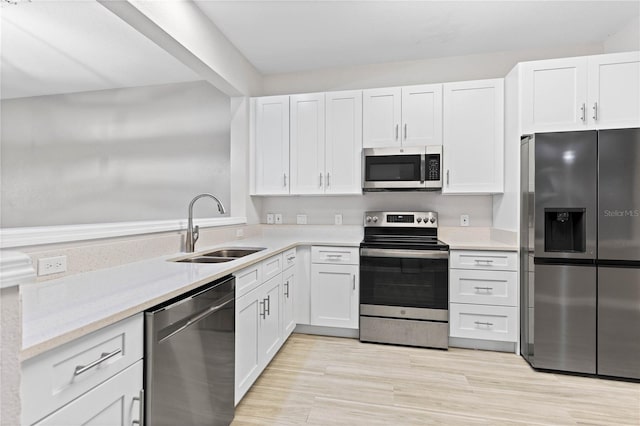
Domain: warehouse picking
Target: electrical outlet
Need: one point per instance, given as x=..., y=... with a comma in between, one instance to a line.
x=464, y=220
x=270, y=218
x=301, y=219
x=278, y=218
x=52, y=265
x=337, y=219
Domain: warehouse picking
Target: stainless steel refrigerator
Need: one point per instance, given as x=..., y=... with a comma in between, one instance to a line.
x=580, y=252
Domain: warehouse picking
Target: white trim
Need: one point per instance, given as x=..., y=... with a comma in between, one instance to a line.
x=21, y=237
x=15, y=269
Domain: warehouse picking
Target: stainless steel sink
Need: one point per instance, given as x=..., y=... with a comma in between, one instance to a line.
x=233, y=252
x=205, y=259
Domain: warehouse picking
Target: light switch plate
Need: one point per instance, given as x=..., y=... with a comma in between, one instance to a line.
x=270, y=218
x=337, y=219
x=278, y=218
x=301, y=219
x=464, y=220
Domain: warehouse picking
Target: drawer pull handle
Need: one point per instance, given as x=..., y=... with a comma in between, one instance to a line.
x=488, y=324
x=290, y=258
x=140, y=399
x=484, y=288
x=103, y=357
x=334, y=256
x=485, y=261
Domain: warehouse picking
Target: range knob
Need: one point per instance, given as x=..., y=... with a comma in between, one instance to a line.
x=432, y=220
x=375, y=219
x=419, y=219
x=368, y=219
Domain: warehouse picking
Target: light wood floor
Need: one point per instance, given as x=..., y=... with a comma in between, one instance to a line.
x=335, y=381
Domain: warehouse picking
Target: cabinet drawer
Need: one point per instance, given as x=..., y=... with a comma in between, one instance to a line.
x=483, y=322
x=247, y=279
x=271, y=267
x=343, y=255
x=489, y=260
x=289, y=258
x=60, y=375
x=483, y=287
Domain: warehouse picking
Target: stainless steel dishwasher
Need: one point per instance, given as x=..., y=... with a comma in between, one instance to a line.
x=190, y=356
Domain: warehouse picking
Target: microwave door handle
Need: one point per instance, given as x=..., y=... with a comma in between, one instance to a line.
x=423, y=168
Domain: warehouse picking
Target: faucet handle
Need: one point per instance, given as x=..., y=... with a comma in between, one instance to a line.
x=196, y=233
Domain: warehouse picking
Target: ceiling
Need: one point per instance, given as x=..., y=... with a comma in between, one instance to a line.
x=53, y=47
x=287, y=36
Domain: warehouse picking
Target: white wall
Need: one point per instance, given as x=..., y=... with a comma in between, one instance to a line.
x=114, y=155
x=627, y=39
x=320, y=210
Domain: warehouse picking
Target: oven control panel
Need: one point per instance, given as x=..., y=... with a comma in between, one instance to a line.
x=401, y=219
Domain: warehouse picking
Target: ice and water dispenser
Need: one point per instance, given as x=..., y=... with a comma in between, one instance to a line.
x=565, y=230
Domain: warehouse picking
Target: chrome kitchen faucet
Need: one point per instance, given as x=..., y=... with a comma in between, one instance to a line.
x=194, y=233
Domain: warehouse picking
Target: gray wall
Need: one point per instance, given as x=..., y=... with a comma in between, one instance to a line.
x=114, y=155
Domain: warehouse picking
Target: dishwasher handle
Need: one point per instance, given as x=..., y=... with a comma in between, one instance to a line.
x=195, y=318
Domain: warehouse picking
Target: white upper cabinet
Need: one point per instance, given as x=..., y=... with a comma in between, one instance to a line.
x=614, y=90
x=307, y=144
x=272, y=145
x=554, y=95
x=422, y=115
x=407, y=116
x=590, y=92
x=381, y=117
x=473, y=145
x=343, y=150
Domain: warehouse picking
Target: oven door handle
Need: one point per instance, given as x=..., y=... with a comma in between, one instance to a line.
x=407, y=254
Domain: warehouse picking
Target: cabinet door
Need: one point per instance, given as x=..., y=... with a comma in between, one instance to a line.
x=270, y=339
x=554, y=95
x=248, y=321
x=334, y=295
x=473, y=146
x=307, y=144
x=381, y=117
x=114, y=402
x=614, y=90
x=272, y=145
x=288, y=292
x=422, y=115
x=343, y=145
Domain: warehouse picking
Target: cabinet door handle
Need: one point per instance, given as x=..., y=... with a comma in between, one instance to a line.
x=447, y=177
x=263, y=313
x=268, y=306
x=140, y=399
x=583, y=113
x=397, y=127
x=103, y=357
x=286, y=284
x=328, y=179
x=595, y=111
x=285, y=179
x=405, y=131
x=488, y=324
x=354, y=282
x=320, y=180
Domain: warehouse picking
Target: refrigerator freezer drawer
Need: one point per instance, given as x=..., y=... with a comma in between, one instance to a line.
x=565, y=318
x=619, y=322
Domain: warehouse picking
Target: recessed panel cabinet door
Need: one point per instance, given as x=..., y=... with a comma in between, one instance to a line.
x=554, y=95
x=270, y=338
x=307, y=144
x=288, y=291
x=114, y=402
x=422, y=115
x=381, y=115
x=343, y=149
x=249, y=312
x=272, y=145
x=334, y=295
x=614, y=90
x=473, y=147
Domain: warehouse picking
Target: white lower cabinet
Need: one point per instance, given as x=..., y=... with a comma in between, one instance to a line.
x=116, y=402
x=264, y=319
x=483, y=294
x=335, y=289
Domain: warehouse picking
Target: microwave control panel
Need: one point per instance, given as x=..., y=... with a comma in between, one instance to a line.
x=433, y=167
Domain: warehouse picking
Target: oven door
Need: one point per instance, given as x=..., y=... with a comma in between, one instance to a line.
x=393, y=168
x=404, y=278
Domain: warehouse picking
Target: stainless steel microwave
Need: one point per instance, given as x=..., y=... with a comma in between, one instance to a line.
x=410, y=168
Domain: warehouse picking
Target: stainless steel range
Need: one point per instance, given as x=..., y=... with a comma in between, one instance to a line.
x=404, y=280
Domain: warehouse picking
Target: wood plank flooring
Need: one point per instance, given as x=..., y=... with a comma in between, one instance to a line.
x=320, y=380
